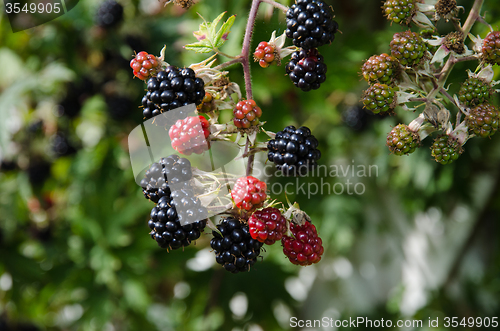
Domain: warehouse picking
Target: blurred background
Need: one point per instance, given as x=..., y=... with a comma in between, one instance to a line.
x=422, y=241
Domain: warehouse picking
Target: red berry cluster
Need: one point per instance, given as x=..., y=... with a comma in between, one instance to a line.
x=267, y=225
x=144, y=65
x=190, y=135
x=305, y=247
x=246, y=114
x=249, y=193
x=265, y=54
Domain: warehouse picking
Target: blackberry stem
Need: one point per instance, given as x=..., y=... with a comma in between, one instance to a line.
x=277, y=5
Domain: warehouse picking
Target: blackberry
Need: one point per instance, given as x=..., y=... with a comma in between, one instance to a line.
x=446, y=149
x=61, y=146
x=381, y=68
x=491, y=48
x=408, y=47
x=483, y=120
x=170, y=89
x=109, y=14
x=356, y=118
x=118, y=107
x=265, y=54
x=234, y=247
x=294, y=151
x=144, y=65
x=306, y=69
x=246, y=114
x=189, y=135
x=305, y=247
x=401, y=140
x=166, y=228
x=267, y=225
x=379, y=98
x=310, y=24
x=171, y=170
x=474, y=91
x=400, y=11
x=249, y=193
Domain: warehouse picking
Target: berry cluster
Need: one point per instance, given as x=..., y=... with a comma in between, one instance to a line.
x=491, y=48
x=249, y=193
x=483, y=120
x=401, y=140
x=304, y=247
x=166, y=228
x=235, y=249
x=189, y=135
x=400, y=11
x=267, y=225
x=379, y=98
x=306, y=69
x=446, y=149
x=474, y=91
x=144, y=65
x=265, y=54
x=381, y=68
x=408, y=47
x=246, y=114
x=294, y=151
x=169, y=170
x=109, y=14
x=310, y=24
x=170, y=89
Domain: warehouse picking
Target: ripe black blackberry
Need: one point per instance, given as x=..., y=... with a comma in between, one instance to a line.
x=170, y=89
x=306, y=69
x=166, y=228
x=169, y=170
x=234, y=247
x=294, y=151
x=310, y=24
x=109, y=14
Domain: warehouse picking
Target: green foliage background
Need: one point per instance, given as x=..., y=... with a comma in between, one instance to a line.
x=422, y=241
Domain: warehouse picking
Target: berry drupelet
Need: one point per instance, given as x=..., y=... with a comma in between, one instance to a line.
x=234, y=247
x=170, y=89
x=294, y=151
x=310, y=24
x=306, y=69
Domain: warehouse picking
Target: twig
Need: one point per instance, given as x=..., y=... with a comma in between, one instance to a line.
x=277, y=5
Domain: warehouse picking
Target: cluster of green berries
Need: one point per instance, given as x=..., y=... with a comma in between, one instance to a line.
x=408, y=47
x=483, y=120
x=474, y=91
x=401, y=140
x=491, y=48
x=446, y=149
x=379, y=98
x=400, y=11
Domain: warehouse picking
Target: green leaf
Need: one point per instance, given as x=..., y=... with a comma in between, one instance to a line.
x=209, y=39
